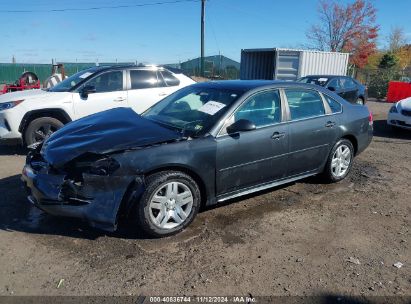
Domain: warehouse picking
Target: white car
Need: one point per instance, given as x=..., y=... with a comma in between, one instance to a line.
x=30, y=116
x=400, y=114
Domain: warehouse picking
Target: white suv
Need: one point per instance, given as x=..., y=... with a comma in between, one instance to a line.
x=30, y=116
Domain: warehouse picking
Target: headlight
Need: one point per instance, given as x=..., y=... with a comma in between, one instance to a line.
x=394, y=109
x=10, y=104
x=101, y=166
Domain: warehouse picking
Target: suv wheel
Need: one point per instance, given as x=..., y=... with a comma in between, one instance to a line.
x=169, y=204
x=339, y=161
x=41, y=128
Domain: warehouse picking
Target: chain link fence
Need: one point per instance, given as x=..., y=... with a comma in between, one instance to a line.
x=10, y=72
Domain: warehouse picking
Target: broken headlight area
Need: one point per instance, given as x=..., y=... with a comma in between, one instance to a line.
x=85, y=176
x=91, y=164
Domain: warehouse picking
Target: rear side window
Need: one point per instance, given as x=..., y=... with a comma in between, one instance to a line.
x=304, y=104
x=170, y=79
x=262, y=109
x=335, y=106
x=143, y=79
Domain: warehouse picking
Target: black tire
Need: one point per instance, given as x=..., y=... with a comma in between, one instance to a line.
x=152, y=184
x=38, y=126
x=328, y=174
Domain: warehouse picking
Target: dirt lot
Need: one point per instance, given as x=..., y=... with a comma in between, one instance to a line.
x=301, y=239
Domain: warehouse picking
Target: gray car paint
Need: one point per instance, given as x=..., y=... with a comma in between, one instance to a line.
x=222, y=164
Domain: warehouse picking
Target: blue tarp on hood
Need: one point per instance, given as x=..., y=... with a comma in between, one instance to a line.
x=104, y=132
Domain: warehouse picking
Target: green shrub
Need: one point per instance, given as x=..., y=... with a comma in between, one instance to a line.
x=378, y=82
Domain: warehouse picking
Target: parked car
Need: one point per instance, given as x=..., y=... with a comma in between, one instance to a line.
x=347, y=87
x=204, y=144
x=400, y=114
x=31, y=116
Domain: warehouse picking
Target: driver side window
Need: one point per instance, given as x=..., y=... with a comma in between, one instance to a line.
x=262, y=109
x=335, y=83
x=107, y=82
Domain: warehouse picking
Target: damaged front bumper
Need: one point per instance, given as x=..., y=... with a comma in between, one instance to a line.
x=92, y=197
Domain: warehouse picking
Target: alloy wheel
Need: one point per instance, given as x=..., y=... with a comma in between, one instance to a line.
x=170, y=205
x=42, y=132
x=341, y=160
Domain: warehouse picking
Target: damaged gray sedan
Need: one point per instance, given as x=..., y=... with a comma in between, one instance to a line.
x=204, y=144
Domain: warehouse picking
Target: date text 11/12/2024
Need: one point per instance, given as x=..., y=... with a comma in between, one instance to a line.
x=203, y=299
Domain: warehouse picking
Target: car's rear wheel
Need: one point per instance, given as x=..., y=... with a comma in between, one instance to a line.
x=169, y=204
x=41, y=128
x=339, y=161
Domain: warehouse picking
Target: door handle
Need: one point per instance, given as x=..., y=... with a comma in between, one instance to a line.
x=330, y=124
x=162, y=94
x=278, y=135
x=119, y=99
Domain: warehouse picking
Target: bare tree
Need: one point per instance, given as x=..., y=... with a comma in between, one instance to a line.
x=396, y=39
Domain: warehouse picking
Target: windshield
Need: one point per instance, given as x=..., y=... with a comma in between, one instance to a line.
x=193, y=110
x=68, y=83
x=321, y=81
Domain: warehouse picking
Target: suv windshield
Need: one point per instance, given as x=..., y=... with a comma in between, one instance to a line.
x=68, y=83
x=193, y=110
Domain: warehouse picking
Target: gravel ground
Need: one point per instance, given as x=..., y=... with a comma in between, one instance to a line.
x=305, y=238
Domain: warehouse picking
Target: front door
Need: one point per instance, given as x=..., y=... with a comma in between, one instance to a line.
x=109, y=94
x=350, y=89
x=311, y=131
x=250, y=158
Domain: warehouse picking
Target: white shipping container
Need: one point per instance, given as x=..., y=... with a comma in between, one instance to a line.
x=290, y=64
x=313, y=62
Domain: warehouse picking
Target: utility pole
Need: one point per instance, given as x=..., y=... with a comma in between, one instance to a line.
x=202, y=37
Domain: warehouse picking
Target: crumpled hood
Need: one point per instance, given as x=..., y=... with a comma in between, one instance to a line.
x=105, y=132
x=405, y=103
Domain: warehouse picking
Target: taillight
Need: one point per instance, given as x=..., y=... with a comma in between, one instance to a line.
x=370, y=119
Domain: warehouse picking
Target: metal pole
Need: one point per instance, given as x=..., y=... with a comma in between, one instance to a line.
x=202, y=37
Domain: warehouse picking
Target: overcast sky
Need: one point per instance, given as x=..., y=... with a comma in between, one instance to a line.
x=166, y=33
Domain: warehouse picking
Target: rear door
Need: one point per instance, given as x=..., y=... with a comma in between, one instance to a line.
x=168, y=82
x=254, y=157
x=144, y=89
x=312, y=131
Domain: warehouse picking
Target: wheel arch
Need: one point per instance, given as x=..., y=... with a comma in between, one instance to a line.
x=59, y=114
x=128, y=202
x=353, y=140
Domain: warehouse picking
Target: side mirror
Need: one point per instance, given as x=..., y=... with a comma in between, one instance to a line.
x=241, y=125
x=331, y=89
x=87, y=89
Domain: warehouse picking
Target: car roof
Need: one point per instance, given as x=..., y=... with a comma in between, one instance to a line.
x=244, y=85
x=325, y=76
x=248, y=85
x=132, y=66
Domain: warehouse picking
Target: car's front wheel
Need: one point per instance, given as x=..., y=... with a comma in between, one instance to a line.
x=339, y=161
x=41, y=128
x=170, y=202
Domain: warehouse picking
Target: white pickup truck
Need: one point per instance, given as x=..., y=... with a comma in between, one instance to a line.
x=30, y=116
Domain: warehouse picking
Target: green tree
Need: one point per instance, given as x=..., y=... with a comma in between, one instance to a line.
x=388, y=61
